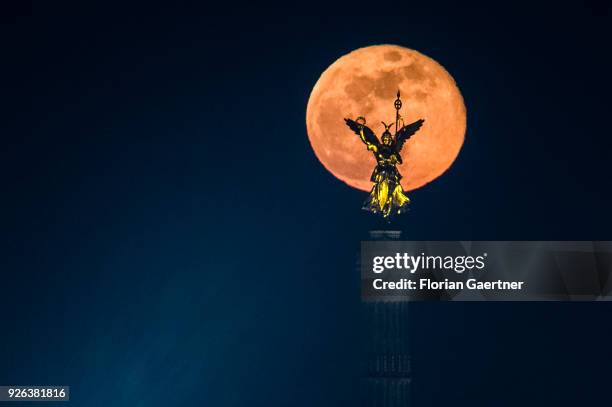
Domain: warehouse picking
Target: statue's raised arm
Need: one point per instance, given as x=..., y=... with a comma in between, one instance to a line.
x=365, y=133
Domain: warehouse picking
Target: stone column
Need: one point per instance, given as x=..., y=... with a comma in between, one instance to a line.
x=386, y=353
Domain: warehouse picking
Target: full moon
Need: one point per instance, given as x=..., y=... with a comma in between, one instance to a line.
x=365, y=83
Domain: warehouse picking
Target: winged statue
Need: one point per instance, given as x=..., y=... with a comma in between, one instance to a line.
x=387, y=197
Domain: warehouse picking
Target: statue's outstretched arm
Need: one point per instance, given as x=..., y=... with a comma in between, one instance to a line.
x=365, y=133
x=370, y=146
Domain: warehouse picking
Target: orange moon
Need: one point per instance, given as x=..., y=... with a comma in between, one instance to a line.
x=365, y=83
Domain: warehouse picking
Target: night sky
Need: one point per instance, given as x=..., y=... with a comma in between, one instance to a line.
x=170, y=239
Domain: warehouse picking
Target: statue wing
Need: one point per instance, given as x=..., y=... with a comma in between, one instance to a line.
x=367, y=136
x=405, y=133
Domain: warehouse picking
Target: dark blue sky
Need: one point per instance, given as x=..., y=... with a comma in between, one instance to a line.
x=169, y=237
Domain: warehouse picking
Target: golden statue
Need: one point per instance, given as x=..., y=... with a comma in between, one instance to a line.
x=387, y=196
